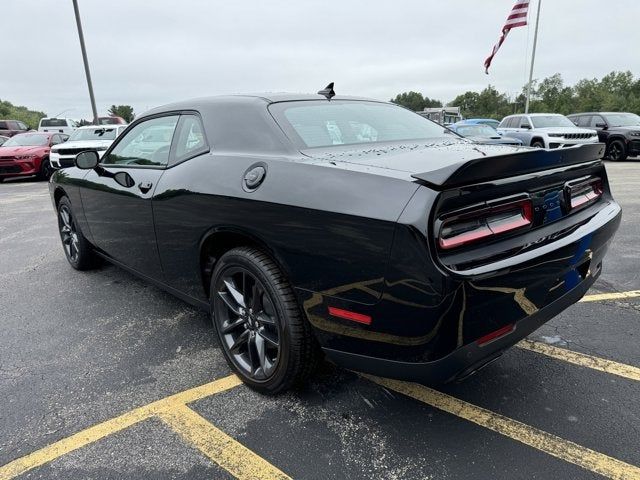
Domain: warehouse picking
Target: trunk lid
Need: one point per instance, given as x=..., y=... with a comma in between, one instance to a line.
x=448, y=163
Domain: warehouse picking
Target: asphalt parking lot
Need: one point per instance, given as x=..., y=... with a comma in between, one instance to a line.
x=103, y=376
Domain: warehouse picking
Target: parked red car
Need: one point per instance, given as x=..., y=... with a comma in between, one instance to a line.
x=28, y=154
x=111, y=120
x=9, y=128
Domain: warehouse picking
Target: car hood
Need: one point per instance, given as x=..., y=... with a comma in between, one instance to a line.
x=84, y=144
x=566, y=130
x=445, y=162
x=633, y=128
x=12, y=151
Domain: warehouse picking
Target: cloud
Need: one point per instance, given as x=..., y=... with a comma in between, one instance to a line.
x=149, y=53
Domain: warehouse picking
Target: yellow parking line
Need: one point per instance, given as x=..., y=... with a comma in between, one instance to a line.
x=582, y=359
x=610, y=296
x=539, y=439
x=101, y=430
x=219, y=447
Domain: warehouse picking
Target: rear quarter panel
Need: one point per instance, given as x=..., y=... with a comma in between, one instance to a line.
x=329, y=229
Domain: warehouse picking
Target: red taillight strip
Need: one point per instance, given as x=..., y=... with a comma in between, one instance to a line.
x=347, y=315
x=489, y=337
x=579, y=197
x=490, y=228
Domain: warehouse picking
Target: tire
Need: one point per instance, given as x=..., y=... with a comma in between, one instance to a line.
x=537, y=143
x=76, y=247
x=46, y=170
x=264, y=337
x=616, y=151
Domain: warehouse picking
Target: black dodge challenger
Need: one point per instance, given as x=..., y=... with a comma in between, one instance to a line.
x=341, y=226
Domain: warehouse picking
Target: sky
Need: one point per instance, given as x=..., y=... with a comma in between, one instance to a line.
x=147, y=53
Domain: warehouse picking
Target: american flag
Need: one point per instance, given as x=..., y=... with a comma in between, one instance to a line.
x=517, y=18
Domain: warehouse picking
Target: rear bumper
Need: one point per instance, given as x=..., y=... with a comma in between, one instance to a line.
x=465, y=360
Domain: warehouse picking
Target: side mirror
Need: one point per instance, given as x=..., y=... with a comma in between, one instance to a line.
x=526, y=127
x=601, y=125
x=87, y=160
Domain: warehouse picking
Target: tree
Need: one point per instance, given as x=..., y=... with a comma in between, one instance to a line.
x=14, y=112
x=415, y=101
x=124, y=111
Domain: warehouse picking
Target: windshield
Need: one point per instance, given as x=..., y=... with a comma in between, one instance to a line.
x=542, y=121
x=342, y=122
x=27, y=140
x=623, y=120
x=93, y=134
x=476, y=131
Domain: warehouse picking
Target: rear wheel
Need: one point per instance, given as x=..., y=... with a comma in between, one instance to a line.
x=76, y=248
x=264, y=337
x=45, y=169
x=616, y=151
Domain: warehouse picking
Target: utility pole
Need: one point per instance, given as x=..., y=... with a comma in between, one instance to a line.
x=86, y=63
x=533, y=58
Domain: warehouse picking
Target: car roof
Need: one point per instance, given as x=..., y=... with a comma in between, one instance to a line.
x=596, y=113
x=248, y=98
x=115, y=125
x=48, y=134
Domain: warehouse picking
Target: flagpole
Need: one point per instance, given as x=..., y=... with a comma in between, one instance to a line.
x=533, y=58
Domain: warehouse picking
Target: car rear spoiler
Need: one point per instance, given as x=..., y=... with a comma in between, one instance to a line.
x=495, y=167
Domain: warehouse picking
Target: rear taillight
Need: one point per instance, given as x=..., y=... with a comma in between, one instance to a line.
x=485, y=222
x=582, y=193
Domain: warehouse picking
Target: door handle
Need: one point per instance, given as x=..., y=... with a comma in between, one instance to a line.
x=145, y=186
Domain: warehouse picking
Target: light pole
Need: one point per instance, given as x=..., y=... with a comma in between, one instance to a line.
x=533, y=58
x=86, y=63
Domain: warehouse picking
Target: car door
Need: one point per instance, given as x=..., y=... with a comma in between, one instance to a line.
x=598, y=123
x=116, y=196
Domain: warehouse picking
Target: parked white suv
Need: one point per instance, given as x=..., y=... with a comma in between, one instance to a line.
x=57, y=125
x=92, y=137
x=546, y=130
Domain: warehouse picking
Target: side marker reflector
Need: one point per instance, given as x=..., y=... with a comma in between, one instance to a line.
x=496, y=334
x=347, y=315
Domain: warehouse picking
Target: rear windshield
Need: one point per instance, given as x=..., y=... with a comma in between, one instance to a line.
x=325, y=123
x=28, y=140
x=53, y=122
x=542, y=121
x=93, y=134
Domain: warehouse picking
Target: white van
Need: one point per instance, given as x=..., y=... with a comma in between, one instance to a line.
x=57, y=125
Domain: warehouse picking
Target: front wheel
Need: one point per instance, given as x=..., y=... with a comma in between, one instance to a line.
x=537, y=144
x=264, y=337
x=76, y=248
x=46, y=170
x=616, y=151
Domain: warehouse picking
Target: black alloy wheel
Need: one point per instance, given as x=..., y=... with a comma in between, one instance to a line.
x=538, y=144
x=68, y=233
x=263, y=335
x=249, y=324
x=76, y=248
x=616, y=151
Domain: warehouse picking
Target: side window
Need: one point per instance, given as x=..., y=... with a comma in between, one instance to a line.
x=514, y=122
x=148, y=143
x=583, y=120
x=524, y=122
x=596, y=121
x=55, y=140
x=22, y=126
x=190, y=140
x=4, y=126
